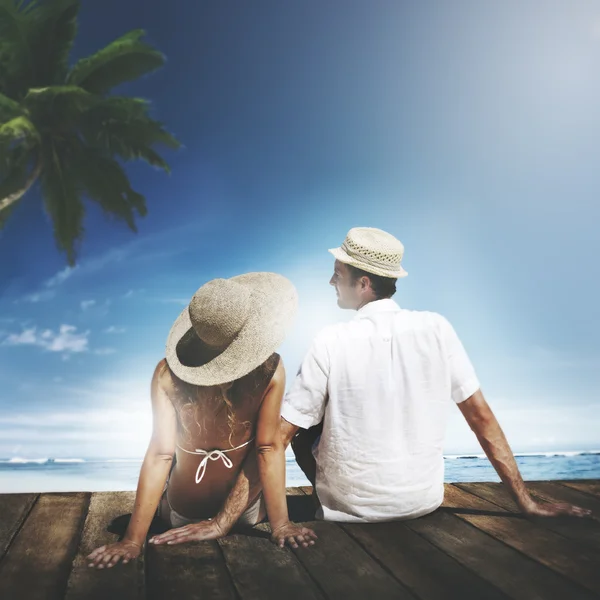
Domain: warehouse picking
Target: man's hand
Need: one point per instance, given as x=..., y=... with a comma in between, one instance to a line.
x=292, y=534
x=538, y=509
x=109, y=555
x=204, y=530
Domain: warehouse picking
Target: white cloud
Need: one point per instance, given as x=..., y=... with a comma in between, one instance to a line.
x=61, y=276
x=87, y=303
x=38, y=296
x=181, y=301
x=113, y=329
x=25, y=337
x=66, y=340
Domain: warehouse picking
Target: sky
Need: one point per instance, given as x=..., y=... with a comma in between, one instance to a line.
x=469, y=130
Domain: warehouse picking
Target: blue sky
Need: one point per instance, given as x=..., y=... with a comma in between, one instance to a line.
x=469, y=131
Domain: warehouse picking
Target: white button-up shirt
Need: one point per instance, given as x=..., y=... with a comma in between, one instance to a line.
x=382, y=383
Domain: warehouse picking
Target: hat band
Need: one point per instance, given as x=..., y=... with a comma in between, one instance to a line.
x=365, y=259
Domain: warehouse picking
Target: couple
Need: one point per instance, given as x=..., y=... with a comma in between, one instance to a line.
x=365, y=415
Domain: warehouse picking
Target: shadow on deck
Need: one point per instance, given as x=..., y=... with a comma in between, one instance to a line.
x=476, y=545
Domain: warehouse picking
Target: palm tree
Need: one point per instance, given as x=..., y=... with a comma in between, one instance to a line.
x=60, y=126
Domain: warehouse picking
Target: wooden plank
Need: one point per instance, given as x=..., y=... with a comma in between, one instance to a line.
x=194, y=571
x=257, y=541
x=343, y=569
x=14, y=509
x=38, y=562
x=586, y=531
x=563, y=555
x=120, y=581
x=261, y=570
x=591, y=488
x=419, y=565
x=517, y=575
x=554, y=492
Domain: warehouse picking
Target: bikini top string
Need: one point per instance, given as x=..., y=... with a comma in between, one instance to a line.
x=212, y=455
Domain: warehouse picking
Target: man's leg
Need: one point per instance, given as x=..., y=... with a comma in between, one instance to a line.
x=302, y=444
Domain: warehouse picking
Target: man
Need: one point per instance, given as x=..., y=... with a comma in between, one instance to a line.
x=374, y=393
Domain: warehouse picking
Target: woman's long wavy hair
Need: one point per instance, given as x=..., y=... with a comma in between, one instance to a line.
x=228, y=395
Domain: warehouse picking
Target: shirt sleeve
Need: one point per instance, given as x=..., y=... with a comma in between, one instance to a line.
x=463, y=379
x=304, y=404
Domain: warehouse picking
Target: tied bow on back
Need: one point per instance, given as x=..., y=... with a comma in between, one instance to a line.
x=212, y=455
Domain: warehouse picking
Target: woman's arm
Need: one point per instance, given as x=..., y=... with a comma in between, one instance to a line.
x=270, y=452
x=157, y=462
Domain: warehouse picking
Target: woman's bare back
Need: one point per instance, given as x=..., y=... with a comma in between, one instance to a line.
x=203, y=423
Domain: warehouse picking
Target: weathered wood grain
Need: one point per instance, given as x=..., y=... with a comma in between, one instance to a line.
x=343, y=569
x=193, y=571
x=554, y=492
x=585, y=531
x=120, y=581
x=517, y=575
x=591, y=488
x=560, y=554
x=422, y=567
x=262, y=571
x=38, y=562
x=13, y=510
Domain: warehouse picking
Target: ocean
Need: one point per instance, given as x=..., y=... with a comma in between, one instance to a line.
x=18, y=475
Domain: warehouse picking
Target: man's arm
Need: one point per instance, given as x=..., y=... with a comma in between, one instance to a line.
x=304, y=404
x=484, y=424
x=247, y=486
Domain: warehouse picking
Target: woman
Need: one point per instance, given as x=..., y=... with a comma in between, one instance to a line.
x=215, y=398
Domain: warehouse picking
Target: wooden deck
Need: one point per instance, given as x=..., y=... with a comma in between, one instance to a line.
x=475, y=546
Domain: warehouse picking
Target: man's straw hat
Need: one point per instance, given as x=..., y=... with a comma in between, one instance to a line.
x=372, y=250
x=244, y=318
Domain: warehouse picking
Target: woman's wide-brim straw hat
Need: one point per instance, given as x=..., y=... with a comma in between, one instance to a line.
x=243, y=319
x=372, y=250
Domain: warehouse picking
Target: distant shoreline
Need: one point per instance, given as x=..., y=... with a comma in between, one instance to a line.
x=16, y=460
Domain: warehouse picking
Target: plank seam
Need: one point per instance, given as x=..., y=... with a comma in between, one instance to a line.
x=321, y=591
x=229, y=573
x=382, y=565
x=18, y=529
x=509, y=512
x=568, y=487
x=64, y=587
x=572, y=582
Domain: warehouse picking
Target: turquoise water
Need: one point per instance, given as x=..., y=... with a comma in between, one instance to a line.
x=96, y=474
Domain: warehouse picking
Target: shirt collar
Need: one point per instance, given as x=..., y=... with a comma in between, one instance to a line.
x=377, y=306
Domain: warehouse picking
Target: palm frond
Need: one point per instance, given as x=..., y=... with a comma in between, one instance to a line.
x=52, y=34
x=62, y=199
x=105, y=182
x=121, y=126
x=125, y=59
x=16, y=131
x=59, y=106
x=118, y=108
x=17, y=64
x=132, y=140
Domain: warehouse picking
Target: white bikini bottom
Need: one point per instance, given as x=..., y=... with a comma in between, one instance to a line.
x=166, y=512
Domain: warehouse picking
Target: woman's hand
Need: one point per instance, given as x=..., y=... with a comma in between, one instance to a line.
x=204, y=530
x=108, y=556
x=538, y=509
x=292, y=534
